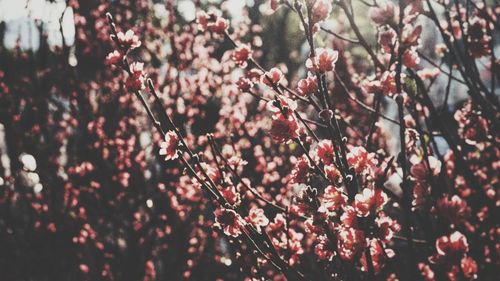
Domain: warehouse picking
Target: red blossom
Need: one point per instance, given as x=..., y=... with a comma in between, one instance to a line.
x=128, y=40
x=300, y=172
x=378, y=255
x=283, y=129
x=257, y=218
x=362, y=161
x=385, y=84
x=241, y=55
x=383, y=12
x=229, y=221
x=244, y=84
x=211, y=22
x=368, y=201
x=410, y=58
x=307, y=86
x=274, y=4
x=472, y=126
x=272, y=77
x=168, y=147
x=323, y=249
x=350, y=243
x=136, y=79
x=114, y=57
x=334, y=199
x=388, y=83
x=321, y=9
x=202, y=20
x=454, y=209
x=333, y=174
x=411, y=35
x=325, y=152
x=451, y=248
x=387, y=227
x=387, y=39
x=231, y=195
x=323, y=61
x=219, y=26
x=468, y=266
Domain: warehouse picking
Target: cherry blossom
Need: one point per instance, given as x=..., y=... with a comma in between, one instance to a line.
x=229, y=221
x=272, y=77
x=241, y=55
x=128, y=40
x=257, y=218
x=135, y=82
x=383, y=12
x=368, y=201
x=307, y=86
x=321, y=9
x=323, y=61
x=169, y=146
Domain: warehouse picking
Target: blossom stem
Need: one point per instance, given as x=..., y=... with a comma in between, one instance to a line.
x=407, y=192
x=238, y=177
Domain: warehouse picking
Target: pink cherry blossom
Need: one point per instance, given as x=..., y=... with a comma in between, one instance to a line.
x=323, y=61
x=169, y=146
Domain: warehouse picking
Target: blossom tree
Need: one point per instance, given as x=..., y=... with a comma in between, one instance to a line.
x=281, y=140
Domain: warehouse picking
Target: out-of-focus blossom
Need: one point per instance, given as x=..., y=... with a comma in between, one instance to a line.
x=478, y=39
x=419, y=170
x=454, y=209
x=114, y=58
x=321, y=9
x=211, y=22
x=244, y=84
x=383, y=12
x=236, y=163
x=472, y=126
x=426, y=272
x=429, y=73
x=451, y=248
x=284, y=129
x=468, y=266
